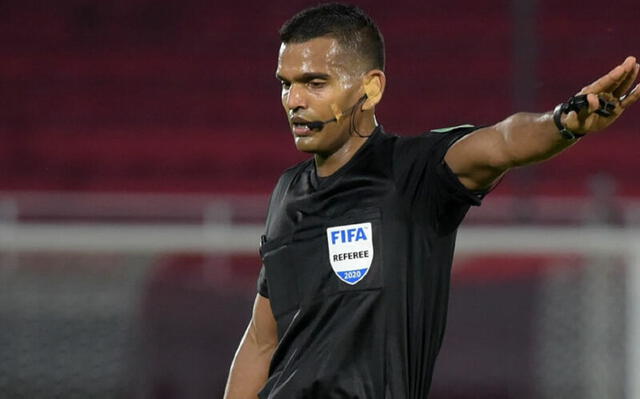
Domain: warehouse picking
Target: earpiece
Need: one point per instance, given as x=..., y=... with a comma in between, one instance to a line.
x=373, y=91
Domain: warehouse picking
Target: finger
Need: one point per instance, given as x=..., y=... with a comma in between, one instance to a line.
x=625, y=85
x=632, y=97
x=610, y=81
x=571, y=121
x=594, y=102
x=628, y=66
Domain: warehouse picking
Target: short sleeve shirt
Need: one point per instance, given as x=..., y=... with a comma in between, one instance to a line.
x=357, y=269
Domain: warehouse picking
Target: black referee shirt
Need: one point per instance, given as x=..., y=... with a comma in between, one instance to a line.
x=357, y=269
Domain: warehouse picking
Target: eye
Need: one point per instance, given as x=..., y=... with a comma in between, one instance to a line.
x=317, y=84
x=285, y=85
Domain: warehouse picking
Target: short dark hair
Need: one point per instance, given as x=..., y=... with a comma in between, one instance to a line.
x=349, y=25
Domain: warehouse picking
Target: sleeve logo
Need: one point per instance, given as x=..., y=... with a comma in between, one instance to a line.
x=350, y=251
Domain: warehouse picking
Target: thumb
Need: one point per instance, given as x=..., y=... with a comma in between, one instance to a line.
x=594, y=102
x=571, y=121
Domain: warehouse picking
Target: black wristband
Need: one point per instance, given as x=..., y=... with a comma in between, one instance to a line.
x=577, y=104
x=557, y=119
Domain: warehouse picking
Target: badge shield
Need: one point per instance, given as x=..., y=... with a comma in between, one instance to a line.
x=350, y=251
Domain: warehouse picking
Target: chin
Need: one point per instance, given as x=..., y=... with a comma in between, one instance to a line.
x=306, y=144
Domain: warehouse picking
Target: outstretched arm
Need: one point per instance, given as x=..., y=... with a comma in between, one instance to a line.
x=250, y=367
x=480, y=158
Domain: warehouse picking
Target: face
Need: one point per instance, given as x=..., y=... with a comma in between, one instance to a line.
x=317, y=78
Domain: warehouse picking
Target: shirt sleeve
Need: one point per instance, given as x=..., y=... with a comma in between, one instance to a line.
x=430, y=188
x=263, y=288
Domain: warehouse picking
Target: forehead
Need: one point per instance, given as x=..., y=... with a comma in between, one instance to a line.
x=318, y=55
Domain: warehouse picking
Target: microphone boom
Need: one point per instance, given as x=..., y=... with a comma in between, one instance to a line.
x=319, y=125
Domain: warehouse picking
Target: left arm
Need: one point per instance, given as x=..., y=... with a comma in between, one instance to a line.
x=483, y=156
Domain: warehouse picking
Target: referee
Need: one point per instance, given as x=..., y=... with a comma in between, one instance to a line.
x=352, y=296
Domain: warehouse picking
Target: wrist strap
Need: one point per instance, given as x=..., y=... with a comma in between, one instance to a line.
x=577, y=104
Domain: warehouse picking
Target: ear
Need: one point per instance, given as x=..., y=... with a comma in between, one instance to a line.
x=373, y=83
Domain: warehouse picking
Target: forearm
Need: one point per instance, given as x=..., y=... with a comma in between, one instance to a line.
x=529, y=138
x=522, y=139
x=480, y=158
x=250, y=367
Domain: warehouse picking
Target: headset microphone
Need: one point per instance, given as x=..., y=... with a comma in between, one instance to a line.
x=319, y=125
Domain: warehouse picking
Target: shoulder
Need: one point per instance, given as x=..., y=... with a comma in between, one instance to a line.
x=415, y=155
x=287, y=178
x=441, y=134
x=291, y=173
x=432, y=141
x=282, y=187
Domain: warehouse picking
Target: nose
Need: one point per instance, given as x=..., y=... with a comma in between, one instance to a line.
x=295, y=98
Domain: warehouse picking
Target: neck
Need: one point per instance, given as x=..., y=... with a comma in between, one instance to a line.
x=326, y=165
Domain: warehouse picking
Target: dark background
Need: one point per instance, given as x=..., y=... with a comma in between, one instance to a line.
x=158, y=96
x=179, y=97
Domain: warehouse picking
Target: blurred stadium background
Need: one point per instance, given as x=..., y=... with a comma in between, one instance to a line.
x=140, y=140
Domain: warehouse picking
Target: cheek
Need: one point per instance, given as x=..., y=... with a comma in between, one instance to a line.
x=349, y=91
x=347, y=83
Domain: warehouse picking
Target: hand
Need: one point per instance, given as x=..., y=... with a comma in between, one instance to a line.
x=613, y=87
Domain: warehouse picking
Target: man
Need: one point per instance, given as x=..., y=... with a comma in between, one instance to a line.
x=359, y=239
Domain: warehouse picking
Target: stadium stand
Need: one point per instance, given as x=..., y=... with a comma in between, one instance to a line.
x=148, y=97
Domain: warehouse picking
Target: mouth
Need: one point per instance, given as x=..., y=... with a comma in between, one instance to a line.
x=300, y=127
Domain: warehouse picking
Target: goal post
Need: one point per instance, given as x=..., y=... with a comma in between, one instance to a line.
x=604, y=245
